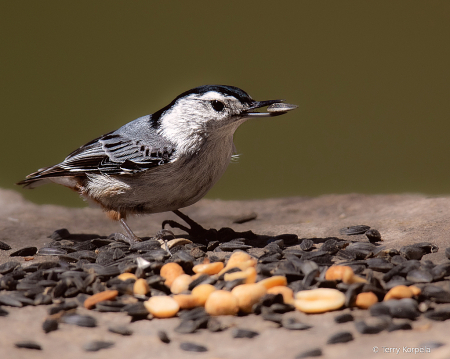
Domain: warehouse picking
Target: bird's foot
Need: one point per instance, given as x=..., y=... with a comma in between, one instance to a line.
x=129, y=236
x=200, y=234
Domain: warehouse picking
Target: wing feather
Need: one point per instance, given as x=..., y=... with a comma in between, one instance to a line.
x=134, y=148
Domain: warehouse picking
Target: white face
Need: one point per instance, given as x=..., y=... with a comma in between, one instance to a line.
x=211, y=110
x=200, y=115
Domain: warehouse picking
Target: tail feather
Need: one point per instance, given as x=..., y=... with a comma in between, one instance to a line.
x=33, y=182
x=42, y=176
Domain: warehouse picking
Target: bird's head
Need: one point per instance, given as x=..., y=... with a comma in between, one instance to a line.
x=207, y=110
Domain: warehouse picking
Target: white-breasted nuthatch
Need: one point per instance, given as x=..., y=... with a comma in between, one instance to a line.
x=160, y=162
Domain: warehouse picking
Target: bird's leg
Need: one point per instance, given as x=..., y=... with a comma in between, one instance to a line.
x=196, y=230
x=128, y=232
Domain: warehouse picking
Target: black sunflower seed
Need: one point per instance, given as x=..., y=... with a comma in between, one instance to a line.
x=187, y=326
x=432, y=345
x=4, y=246
x=24, y=252
x=162, y=335
x=212, y=245
x=317, y=352
x=398, y=259
x=62, y=307
x=8, y=282
x=51, y=251
x=332, y=246
x=97, y=345
x=419, y=276
x=192, y=347
x=294, y=324
x=281, y=308
x=232, y=246
x=28, y=344
x=353, y=230
x=447, y=252
x=202, y=279
x=341, y=337
x=103, y=308
x=438, y=315
x=307, y=244
x=120, y=329
x=110, y=271
x=193, y=314
x=379, y=264
x=42, y=299
x=50, y=325
x=344, y=318
x=267, y=314
x=405, y=308
x=440, y=271
x=411, y=252
x=243, y=333
x=437, y=294
x=135, y=310
x=373, y=235
x=399, y=326
x=8, y=267
x=59, y=234
x=9, y=300
x=215, y=325
x=364, y=328
x=80, y=320
x=3, y=313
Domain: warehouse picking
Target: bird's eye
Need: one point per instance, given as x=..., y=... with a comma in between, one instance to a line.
x=217, y=105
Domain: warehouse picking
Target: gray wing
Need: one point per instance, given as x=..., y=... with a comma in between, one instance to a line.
x=134, y=148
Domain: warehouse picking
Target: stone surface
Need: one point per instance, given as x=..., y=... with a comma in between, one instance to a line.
x=401, y=220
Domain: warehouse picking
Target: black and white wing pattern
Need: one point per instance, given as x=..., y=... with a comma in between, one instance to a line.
x=134, y=148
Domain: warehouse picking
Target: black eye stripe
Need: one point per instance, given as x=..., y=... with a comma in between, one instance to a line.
x=217, y=105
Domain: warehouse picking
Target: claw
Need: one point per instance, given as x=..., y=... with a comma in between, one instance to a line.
x=205, y=235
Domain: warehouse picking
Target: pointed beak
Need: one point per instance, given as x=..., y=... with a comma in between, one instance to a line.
x=258, y=104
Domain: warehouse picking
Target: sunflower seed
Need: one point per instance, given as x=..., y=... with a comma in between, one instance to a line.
x=399, y=326
x=307, y=244
x=373, y=235
x=120, y=329
x=341, y=337
x=8, y=267
x=4, y=246
x=243, y=333
x=344, y=318
x=281, y=107
x=419, y=276
x=97, y=345
x=438, y=315
x=162, y=335
x=294, y=324
x=364, y=328
x=353, y=230
x=50, y=325
x=9, y=300
x=192, y=347
x=59, y=234
x=317, y=352
x=28, y=344
x=80, y=320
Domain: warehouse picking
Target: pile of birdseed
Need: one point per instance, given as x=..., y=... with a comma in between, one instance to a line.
x=107, y=275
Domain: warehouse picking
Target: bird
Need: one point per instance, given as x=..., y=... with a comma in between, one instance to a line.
x=160, y=162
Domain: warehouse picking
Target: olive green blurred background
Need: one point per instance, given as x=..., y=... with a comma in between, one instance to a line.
x=371, y=78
